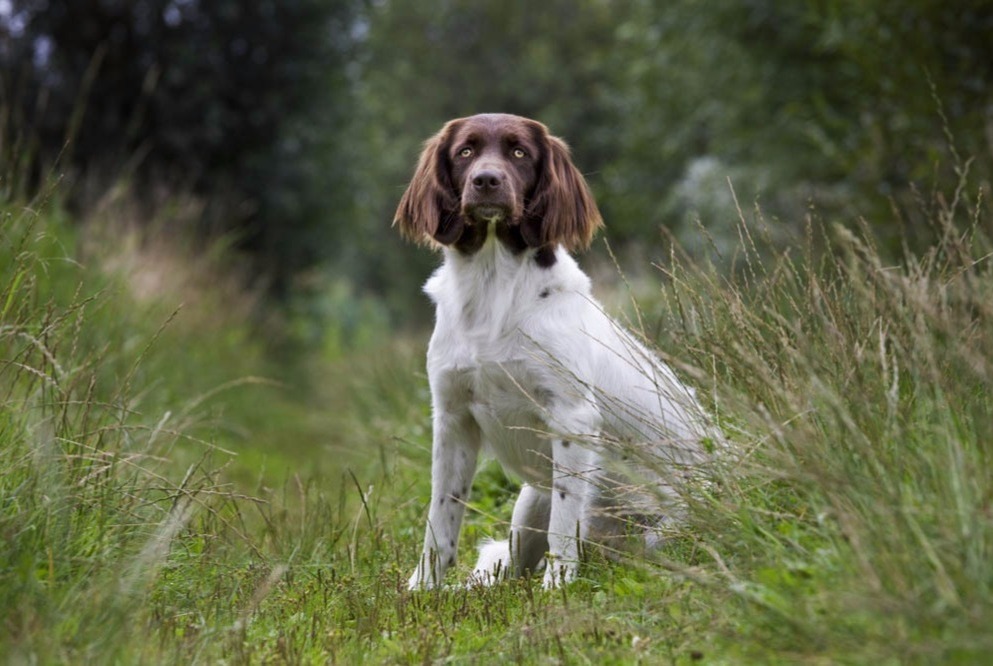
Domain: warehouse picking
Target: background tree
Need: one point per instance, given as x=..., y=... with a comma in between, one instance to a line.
x=236, y=101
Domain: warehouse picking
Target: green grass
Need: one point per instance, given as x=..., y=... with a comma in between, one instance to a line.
x=171, y=494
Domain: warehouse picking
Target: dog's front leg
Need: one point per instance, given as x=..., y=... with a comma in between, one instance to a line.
x=453, y=463
x=573, y=471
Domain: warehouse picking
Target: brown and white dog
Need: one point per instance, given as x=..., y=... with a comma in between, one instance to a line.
x=523, y=362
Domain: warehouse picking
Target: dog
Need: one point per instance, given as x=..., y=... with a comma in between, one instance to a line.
x=523, y=362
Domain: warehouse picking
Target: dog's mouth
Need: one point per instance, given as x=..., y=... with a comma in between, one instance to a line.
x=487, y=213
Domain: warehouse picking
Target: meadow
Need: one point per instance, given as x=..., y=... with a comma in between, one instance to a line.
x=172, y=491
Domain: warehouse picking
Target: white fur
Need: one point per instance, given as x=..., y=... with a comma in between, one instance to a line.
x=524, y=363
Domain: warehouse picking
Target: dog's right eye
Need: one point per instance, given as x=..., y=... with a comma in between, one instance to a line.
x=465, y=152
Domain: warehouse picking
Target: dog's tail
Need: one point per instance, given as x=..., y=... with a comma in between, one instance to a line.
x=493, y=564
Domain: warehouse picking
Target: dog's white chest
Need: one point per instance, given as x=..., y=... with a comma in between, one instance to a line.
x=506, y=404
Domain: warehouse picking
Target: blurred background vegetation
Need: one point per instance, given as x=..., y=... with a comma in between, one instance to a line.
x=295, y=124
x=214, y=429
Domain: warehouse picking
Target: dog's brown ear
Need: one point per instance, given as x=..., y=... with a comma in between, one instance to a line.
x=429, y=209
x=562, y=209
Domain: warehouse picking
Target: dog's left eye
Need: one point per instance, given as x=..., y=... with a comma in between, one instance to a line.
x=519, y=153
x=465, y=152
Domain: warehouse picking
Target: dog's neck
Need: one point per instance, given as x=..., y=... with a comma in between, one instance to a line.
x=500, y=233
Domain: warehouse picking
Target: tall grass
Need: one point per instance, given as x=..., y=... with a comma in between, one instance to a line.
x=161, y=503
x=89, y=505
x=116, y=441
x=859, y=519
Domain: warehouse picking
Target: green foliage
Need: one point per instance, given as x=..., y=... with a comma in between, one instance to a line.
x=663, y=103
x=300, y=122
x=237, y=102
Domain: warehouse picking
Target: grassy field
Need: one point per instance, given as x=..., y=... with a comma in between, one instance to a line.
x=170, y=493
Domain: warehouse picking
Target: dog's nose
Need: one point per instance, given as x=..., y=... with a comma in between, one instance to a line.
x=487, y=180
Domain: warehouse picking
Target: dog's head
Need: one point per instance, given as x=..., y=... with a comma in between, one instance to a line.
x=503, y=168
